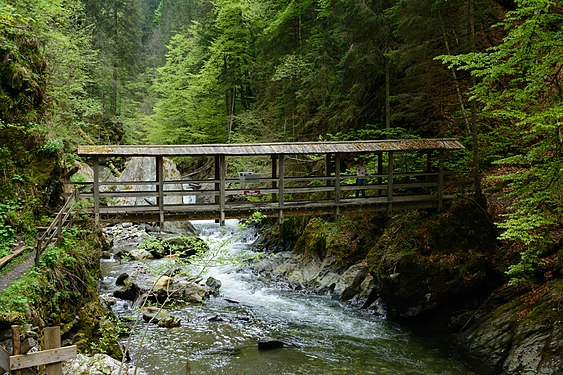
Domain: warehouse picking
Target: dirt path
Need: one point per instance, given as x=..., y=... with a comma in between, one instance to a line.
x=18, y=266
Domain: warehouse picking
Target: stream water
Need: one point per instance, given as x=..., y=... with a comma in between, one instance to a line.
x=221, y=336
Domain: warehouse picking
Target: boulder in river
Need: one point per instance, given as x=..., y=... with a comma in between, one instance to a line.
x=271, y=344
x=214, y=285
x=130, y=292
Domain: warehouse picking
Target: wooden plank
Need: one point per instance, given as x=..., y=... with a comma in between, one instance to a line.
x=390, y=167
x=337, y=191
x=274, y=176
x=52, y=341
x=96, y=191
x=281, y=192
x=222, y=188
x=5, y=260
x=48, y=357
x=4, y=359
x=160, y=189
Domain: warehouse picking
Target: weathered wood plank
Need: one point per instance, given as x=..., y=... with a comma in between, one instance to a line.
x=4, y=359
x=43, y=357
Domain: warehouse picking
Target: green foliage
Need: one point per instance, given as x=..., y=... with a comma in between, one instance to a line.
x=7, y=211
x=53, y=291
x=519, y=88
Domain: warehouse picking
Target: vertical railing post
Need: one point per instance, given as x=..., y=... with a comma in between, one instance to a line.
x=379, y=171
x=160, y=190
x=59, y=219
x=328, y=170
x=16, y=345
x=222, y=188
x=337, y=184
x=390, y=167
x=96, y=188
x=52, y=340
x=217, y=178
x=274, y=176
x=281, y=200
x=441, y=181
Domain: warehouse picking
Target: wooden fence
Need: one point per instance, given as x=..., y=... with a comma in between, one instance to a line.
x=54, y=232
x=51, y=356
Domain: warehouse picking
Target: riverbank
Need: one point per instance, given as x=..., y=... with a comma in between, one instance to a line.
x=438, y=274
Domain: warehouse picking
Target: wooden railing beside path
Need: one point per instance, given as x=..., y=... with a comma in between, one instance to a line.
x=54, y=232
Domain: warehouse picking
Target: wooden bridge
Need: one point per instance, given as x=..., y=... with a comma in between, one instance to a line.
x=405, y=174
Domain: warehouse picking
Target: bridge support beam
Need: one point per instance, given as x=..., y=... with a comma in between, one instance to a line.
x=337, y=185
x=274, y=176
x=390, y=167
x=281, y=202
x=160, y=190
x=222, y=188
x=96, y=187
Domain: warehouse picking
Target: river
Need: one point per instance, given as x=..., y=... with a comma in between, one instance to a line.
x=322, y=335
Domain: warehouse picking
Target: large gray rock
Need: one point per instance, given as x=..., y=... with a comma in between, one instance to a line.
x=519, y=337
x=349, y=283
x=144, y=169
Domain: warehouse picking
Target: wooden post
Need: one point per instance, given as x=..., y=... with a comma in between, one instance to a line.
x=281, y=187
x=337, y=184
x=52, y=340
x=38, y=249
x=328, y=170
x=441, y=181
x=274, y=176
x=390, y=166
x=59, y=227
x=96, y=187
x=222, y=189
x=160, y=190
x=16, y=345
x=217, y=177
x=379, y=171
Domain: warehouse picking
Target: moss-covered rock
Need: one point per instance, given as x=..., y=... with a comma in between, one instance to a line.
x=426, y=264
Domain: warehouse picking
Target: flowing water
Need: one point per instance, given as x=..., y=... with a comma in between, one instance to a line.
x=323, y=336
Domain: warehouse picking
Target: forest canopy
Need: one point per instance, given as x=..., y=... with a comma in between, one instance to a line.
x=199, y=71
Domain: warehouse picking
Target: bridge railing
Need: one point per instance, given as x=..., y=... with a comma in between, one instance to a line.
x=270, y=195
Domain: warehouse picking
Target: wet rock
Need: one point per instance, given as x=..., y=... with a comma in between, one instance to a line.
x=519, y=337
x=121, y=279
x=348, y=285
x=216, y=319
x=140, y=254
x=169, y=321
x=163, y=283
x=271, y=344
x=131, y=292
x=192, y=292
x=214, y=285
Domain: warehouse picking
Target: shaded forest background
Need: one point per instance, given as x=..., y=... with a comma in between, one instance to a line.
x=196, y=71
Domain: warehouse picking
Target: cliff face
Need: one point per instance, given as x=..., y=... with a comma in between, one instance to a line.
x=434, y=272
